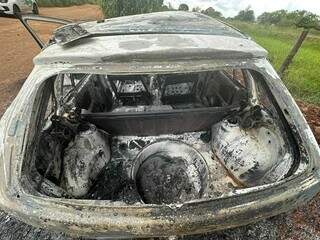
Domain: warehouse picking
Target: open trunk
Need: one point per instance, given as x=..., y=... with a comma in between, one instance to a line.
x=161, y=139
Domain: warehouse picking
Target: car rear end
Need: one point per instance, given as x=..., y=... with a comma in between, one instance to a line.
x=210, y=106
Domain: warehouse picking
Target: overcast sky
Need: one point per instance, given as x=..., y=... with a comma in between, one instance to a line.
x=230, y=8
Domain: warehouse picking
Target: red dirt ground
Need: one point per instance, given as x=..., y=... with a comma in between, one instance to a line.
x=18, y=49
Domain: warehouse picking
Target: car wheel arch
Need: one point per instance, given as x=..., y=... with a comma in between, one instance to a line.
x=15, y=9
x=35, y=8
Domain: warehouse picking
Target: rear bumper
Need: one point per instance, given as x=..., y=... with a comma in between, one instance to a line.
x=102, y=219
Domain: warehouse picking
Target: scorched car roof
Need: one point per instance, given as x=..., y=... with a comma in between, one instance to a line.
x=171, y=35
x=163, y=22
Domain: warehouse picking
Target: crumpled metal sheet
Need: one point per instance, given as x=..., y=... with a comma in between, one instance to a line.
x=84, y=159
x=253, y=156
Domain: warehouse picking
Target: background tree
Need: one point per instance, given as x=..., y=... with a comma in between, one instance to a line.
x=285, y=18
x=212, y=13
x=183, y=7
x=196, y=9
x=246, y=15
x=309, y=21
x=116, y=8
x=168, y=7
x=272, y=17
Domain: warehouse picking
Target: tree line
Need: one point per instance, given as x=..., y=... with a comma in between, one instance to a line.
x=63, y=3
x=115, y=8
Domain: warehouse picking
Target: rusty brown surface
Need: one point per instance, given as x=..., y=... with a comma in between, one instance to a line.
x=312, y=114
x=304, y=223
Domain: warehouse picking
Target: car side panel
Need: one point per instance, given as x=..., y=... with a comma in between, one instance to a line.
x=6, y=8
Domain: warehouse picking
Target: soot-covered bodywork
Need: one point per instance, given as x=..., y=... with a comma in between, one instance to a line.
x=155, y=125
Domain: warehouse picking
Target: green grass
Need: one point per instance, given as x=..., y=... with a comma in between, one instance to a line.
x=303, y=76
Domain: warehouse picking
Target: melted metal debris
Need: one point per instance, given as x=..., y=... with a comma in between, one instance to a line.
x=116, y=183
x=84, y=159
x=254, y=157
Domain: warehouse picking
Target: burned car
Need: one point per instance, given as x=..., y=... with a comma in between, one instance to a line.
x=154, y=125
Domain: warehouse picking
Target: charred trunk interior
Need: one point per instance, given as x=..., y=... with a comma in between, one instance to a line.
x=160, y=139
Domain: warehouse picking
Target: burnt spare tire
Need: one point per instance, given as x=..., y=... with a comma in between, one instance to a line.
x=169, y=172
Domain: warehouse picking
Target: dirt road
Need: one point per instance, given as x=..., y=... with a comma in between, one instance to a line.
x=18, y=48
x=16, y=53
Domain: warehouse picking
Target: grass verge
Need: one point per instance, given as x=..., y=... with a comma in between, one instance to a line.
x=303, y=76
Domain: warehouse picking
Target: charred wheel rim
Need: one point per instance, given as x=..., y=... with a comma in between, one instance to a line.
x=168, y=172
